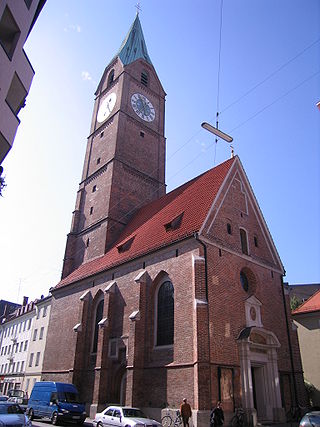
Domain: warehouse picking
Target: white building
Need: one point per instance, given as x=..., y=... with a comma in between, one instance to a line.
x=16, y=73
x=15, y=335
x=37, y=344
x=23, y=338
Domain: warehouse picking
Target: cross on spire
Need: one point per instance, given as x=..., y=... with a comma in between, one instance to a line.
x=138, y=7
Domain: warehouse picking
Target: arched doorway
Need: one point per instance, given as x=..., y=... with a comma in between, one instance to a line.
x=261, y=397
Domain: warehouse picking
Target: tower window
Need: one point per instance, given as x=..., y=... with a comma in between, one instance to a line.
x=91, y=210
x=229, y=229
x=244, y=241
x=142, y=134
x=98, y=161
x=101, y=134
x=9, y=32
x=144, y=78
x=165, y=314
x=110, y=78
x=87, y=243
x=94, y=188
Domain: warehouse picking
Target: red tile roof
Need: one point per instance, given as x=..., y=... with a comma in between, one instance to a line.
x=148, y=230
x=312, y=304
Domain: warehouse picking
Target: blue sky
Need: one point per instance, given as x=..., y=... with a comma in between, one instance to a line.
x=269, y=87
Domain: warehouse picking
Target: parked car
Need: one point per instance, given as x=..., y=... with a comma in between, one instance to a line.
x=310, y=419
x=122, y=416
x=3, y=398
x=56, y=401
x=12, y=415
x=18, y=396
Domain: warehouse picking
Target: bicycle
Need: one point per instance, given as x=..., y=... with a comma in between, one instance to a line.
x=238, y=419
x=167, y=420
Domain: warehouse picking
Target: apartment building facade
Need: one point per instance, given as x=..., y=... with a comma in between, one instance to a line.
x=22, y=338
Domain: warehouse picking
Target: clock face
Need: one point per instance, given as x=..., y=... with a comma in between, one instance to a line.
x=143, y=107
x=106, y=107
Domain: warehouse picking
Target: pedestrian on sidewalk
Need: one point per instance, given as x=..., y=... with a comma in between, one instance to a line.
x=217, y=416
x=185, y=410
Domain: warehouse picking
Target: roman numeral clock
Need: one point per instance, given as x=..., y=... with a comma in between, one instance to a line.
x=143, y=107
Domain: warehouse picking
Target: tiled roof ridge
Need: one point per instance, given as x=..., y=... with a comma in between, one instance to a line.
x=305, y=307
x=157, y=212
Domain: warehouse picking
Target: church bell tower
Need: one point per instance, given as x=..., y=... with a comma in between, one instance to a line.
x=124, y=166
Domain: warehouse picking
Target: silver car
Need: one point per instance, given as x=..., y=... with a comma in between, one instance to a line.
x=310, y=419
x=123, y=416
x=12, y=415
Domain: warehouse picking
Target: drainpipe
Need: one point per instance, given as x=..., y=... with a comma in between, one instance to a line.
x=290, y=346
x=196, y=236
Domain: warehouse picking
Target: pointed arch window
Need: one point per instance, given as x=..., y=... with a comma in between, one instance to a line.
x=98, y=317
x=110, y=78
x=165, y=314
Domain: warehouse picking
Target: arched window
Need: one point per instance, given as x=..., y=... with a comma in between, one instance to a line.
x=98, y=317
x=110, y=78
x=165, y=314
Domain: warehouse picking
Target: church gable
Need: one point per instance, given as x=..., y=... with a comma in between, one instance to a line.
x=235, y=222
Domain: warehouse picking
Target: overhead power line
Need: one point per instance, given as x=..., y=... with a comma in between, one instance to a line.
x=270, y=75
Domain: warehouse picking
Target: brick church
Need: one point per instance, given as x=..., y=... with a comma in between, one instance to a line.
x=166, y=296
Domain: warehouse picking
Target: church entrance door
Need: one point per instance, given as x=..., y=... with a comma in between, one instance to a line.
x=258, y=391
x=261, y=397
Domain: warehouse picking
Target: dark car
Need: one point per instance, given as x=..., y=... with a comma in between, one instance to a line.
x=12, y=415
x=310, y=419
x=3, y=398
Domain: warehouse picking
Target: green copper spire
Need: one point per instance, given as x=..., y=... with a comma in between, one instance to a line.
x=133, y=46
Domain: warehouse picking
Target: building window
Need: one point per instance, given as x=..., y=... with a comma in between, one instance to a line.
x=98, y=161
x=9, y=32
x=142, y=134
x=31, y=360
x=28, y=3
x=244, y=241
x=21, y=346
x=110, y=78
x=41, y=333
x=38, y=313
x=37, y=358
x=91, y=210
x=165, y=314
x=22, y=366
x=255, y=239
x=44, y=311
x=16, y=95
x=29, y=323
x=18, y=366
x=94, y=188
x=98, y=317
x=25, y=345
x=35, y=332
x=87, y=243
x=229, y=229
x=144, y=78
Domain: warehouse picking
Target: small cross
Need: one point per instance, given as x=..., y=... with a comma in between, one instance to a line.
x=138, y=7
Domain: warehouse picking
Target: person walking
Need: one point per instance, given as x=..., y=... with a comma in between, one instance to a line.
x=185, y=410
x=217, y=416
